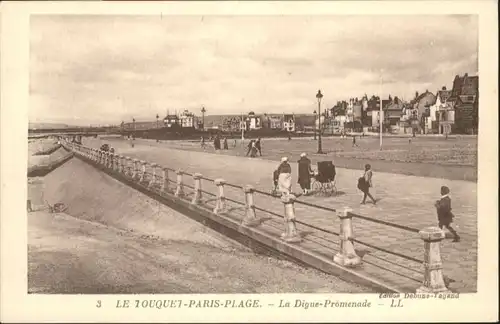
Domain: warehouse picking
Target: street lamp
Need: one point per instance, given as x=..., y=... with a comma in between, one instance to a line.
x=314, y=128
x=203, y=111
x=319, y=96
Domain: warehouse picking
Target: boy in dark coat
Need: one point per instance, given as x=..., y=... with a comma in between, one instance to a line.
x=445, y=216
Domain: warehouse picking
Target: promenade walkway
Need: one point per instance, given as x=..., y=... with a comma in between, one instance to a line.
x=405, y=200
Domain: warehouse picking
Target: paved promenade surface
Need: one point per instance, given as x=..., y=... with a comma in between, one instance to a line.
x=405, y=200
x=113, y=239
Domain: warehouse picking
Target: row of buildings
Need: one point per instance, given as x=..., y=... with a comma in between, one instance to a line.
x=443, y=112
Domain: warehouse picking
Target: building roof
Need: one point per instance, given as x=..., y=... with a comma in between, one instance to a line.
x=443, y=95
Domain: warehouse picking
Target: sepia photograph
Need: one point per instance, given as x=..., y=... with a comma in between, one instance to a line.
x=253, y=154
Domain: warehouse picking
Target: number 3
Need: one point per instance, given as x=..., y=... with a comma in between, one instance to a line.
x=98, y=304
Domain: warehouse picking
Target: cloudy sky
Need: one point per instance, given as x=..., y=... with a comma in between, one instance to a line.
x=105, y=69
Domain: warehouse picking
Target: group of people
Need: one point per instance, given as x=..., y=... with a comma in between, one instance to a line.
x=283, y=181
x=283, y=175
x=254, y=146
x=217, y=142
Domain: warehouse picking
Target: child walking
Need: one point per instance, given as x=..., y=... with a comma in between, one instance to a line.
x=364, y=184
x=445, y=216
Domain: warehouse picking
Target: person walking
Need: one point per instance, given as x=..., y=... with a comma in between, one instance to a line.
x=203, y=142
x=217, y=142
x=257, y=145
x=225, y=143
x=365, y=183
x=445, y=216
x=284, y=177
x=305, y=173
x=354, y=141
x=250, y=145
x=253, y=150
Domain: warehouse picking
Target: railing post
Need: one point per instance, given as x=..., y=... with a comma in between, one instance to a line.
x=117, y=162
x=111, y=161
x=220, y=204
x=433, y=267
x=290, y=235
x=106, y=159
x=164, y=184
x=128, y=166
x=347, y=256
x=135, y=172
x=153, y=177
x=179, y=192
x=120, y=163
x=197, y=189
x=143, y=171
x=250, y=217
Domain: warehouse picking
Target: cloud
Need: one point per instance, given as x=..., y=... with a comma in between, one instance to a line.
x=106, y=69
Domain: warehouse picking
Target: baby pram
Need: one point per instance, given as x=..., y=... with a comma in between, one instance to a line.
x=324, y=180
x=276, y=175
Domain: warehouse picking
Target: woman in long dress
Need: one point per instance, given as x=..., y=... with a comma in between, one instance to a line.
x=305, y=173
x=285, y=177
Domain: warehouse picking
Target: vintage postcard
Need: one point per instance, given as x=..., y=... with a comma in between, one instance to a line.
x=249, y=161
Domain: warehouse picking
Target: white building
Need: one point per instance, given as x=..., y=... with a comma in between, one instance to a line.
x=376, y=117
x=289, y=122
x=188, y=120
x=252, y=121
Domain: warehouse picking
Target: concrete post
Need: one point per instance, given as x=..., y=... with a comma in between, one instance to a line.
x=179, y=192
x=164, y=184
x=197, y=189
x=143, y=171
x=220, y=205
x=105, y=156
x=135, y=172
x=120, y=163
x=250, y=217
x=153, y=177
x=36, y=199
x=347, y=256
x=291, y=235
x=111, y=163
x=128, y=167
x=433, y=267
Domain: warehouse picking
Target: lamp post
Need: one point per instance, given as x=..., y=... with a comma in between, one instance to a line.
x=314, y=128
x=380, y=112
x=319, y=96
x=203, y=111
